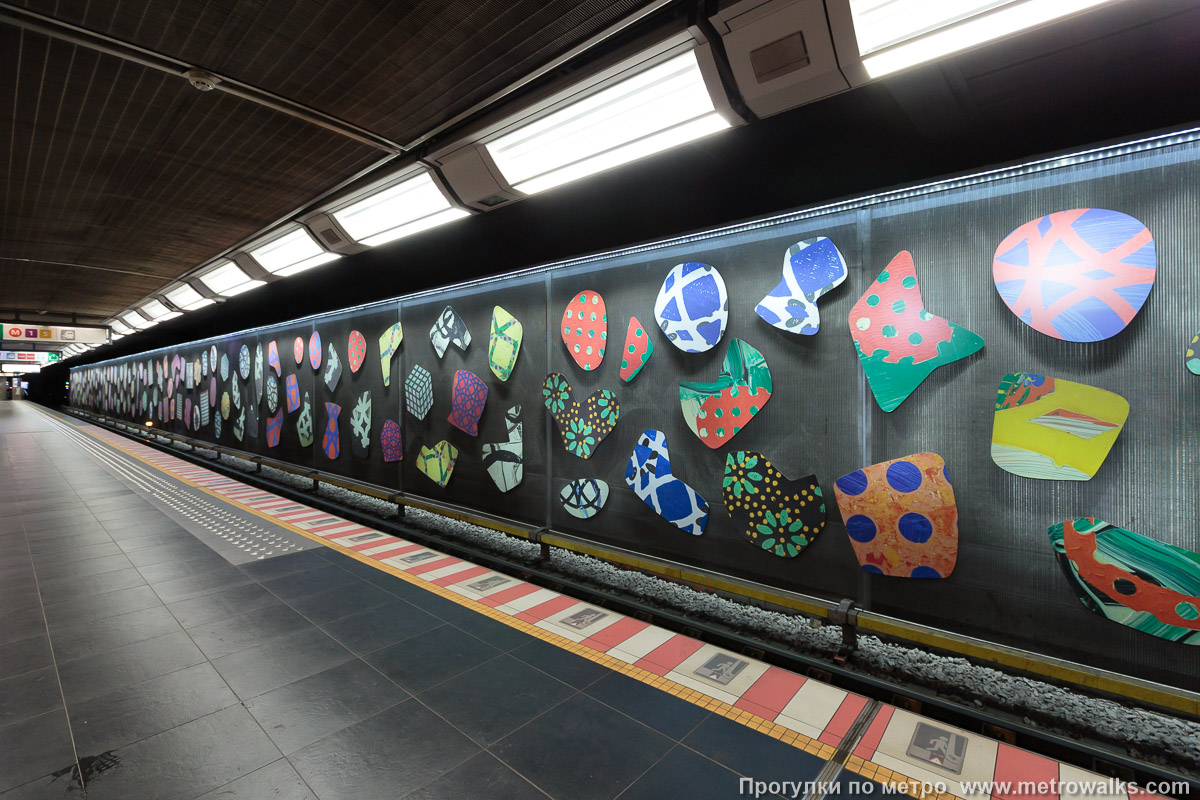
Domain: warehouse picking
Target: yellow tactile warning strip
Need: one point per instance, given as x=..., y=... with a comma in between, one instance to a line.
x=894, y=780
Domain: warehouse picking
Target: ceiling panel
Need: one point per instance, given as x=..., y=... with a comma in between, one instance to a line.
x=396, y=68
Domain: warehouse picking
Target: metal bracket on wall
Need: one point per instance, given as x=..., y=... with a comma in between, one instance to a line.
x=535, y=536
x=846, y=616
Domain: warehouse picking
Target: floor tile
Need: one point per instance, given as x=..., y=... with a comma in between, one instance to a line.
x=278, y=566
x=225, y=636
x=298, y=714
x=35, y=747
x=494, y=699
x=79, y=569
x=79, y=553
x=21, y=623
x=81, y=639
x=30, y=694
x=668, y=715
x=61, y=785
x=431, y=657
x=221, y=605
x=439, y=606
x=751, y=753
x=188, y=760
x=497, y=634
x=124, y=666
x=182, y=567
x=99, y=607
x=277, y=781
x=24, y=655
x=384, y=757
x=341, y=602
x=56, y=591
x=281, y=661
x=68, y=543
x=126, y=715
x=480, y=776
x=380, y=627
x=582, y=750
x=567, y=667
x=312, y=581
x=684, y=773
x=173, y=591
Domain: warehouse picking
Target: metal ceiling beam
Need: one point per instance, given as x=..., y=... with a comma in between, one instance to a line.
x=82, y=37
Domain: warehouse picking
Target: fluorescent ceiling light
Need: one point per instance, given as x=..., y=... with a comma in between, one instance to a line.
x=658, y=108
x=406, y=208
x=120, y=327
x=187, y=298
x=292, y=253
x=897, y=34
x=136, y=320
x=227, y=280
x=157, y=311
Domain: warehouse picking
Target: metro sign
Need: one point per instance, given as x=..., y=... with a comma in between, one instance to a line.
x=53, y=333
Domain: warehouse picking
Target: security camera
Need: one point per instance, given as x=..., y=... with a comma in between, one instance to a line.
x=201, y=80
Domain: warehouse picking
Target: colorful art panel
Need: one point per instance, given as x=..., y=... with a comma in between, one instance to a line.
x=899, y=343
x=250, y=412
x=389, y=345
x=259, y=373
x=637, y=350
x=391, y=441
x=811, y=269
x=298, y=350
x=468, y=396
x=360, y=426
x=293, y=393
x=418, y=391
x=314, y=350
x=505, y=461
x=778, y=515
x=649, y=475
x=356, y=350
x=304, y=423
x=331, y=441
x=437, y=462
x=273, y=359
x=583, y=498
x=1054, y=429
x=1147, y=585
x=717, y=411
x=274, y=429
x=585, y=329
x=1191, y=356
x=450, y=329
x=1079, y=275
x=333, y=369
x=504, y=343
x=583, y=425
x=901, y=517
x=692, y=307
x=239, y=425
x=244, y=362
x=272, y=391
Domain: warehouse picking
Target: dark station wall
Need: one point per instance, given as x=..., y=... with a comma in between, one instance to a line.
x=821, y=418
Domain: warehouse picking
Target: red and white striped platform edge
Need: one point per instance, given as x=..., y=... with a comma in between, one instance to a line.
x=807, y=713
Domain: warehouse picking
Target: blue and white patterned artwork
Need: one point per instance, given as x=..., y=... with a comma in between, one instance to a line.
x=811, y=268
x=584, y=497
x=649, y=475
x=693, y=307
x=244, y=362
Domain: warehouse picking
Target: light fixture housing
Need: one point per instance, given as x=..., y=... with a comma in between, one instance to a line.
x=187, y=298
x=120, y=327
x=894, y=35
x=135, y=320
x=291, y=252
x=396, y=209
x=227, y=280
x=659, y=107
x=157, y=311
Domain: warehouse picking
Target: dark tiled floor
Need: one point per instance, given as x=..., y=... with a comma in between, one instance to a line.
x=135, y=662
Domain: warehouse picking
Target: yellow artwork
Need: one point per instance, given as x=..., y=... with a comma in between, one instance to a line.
x=1054, y=429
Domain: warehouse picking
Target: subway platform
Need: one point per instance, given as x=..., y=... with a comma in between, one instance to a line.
x=168, y=632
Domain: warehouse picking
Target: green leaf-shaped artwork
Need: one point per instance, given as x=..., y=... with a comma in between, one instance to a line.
x=717, y=411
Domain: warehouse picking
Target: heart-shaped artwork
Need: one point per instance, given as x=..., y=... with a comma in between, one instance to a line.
x=585, y=329
x=333, y=368
x=274, y=428
x=649, y=475
x=298, y=349
x=505, y=461
x=418, y=391
x=899, y=343
x=293, y=393
x=1079, y=275
x=584, y=497
x=717, y=411
x=450, y=329
x=389, y=344
x=391, y=441
x=331, y=441
x=504, y=343
x=778, y=515
x=360, y=426
x=637, y=350
x=583, y=425
x=356, y=350
x=273, y=358
x=692, y=307
x=811, y=268
x=468, y=396
x=437, y=462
